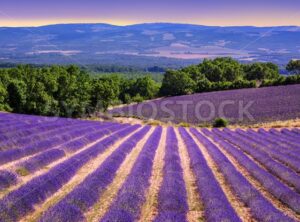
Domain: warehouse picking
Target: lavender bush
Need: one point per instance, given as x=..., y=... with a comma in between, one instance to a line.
x=172, y=203
x=278, y=149
x=30, y=143
x=276, y=168
x=61, y=137
x=260, y=208
x=87, y=193
x=39, y=161
x=266, y=179
x=216, y=205
x=36, y=134
x=292, y=134
x=131, y=196
x=291, y=161
x=7, y=179
x=20, y=202
x=278, y=137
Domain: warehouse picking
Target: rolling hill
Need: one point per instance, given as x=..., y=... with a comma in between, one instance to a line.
x=146, y=44
x=245, y=106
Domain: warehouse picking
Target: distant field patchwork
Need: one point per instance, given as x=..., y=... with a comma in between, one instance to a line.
x=57, y=169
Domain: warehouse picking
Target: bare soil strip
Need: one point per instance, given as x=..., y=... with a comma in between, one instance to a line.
x=149, y=208
x=242, y=211
x=196, y=210
x=76, y=180
x=107, y=197
x=279, y=205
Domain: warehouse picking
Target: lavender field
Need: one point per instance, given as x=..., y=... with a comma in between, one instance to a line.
x=238, y=106
x=59, y=169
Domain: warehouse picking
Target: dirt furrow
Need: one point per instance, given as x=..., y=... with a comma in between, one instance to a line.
x=76, y=180
x=149, y=208
x=242, y=211
x=107, y=197
x=195, y=213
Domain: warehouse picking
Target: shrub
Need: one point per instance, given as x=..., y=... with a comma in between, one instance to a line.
x=219, y=86
x=127, y=98
x=204, y=125
x=137, y=98
x=241, y=84
x=184, y=124
x=288, y=80
x=152, y=122
x=294, y=79
x=220, y=122
x=177, y=83
x=203, y=85
x=22, y=171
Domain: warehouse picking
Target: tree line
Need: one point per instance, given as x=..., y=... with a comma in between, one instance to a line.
x=68, y=90
x=73, y=92
x=226, y=73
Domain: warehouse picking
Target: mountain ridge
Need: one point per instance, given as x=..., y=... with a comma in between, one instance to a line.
x=91, y=42
x=149, y=23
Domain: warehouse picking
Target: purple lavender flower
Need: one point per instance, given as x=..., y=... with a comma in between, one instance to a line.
x=172, y=203
x=131, y=196
x=269, y=181
x=216, y=205
x=7, y=179
x=260, y=208
x=20, y=202
x=87, y=193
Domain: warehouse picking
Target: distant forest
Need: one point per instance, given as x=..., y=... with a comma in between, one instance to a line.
x=73, y=91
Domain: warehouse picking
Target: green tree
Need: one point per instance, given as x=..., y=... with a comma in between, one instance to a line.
x=137, y=98
x=203, y=85
x=39, y=102
x=261, y=71
x=103, y=94
x=126, y=90
x=73, y=93
x=3, y=98
x=146, y=87
x=194, y=72
x=177, y=83
x=294, y=67
x=17, y=95
x=232, y=72
x=211, y=71
x=221, y=69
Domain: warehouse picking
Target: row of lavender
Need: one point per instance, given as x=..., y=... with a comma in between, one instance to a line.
x=43, y=144
x=217, y=208
x=262, y=174
x=270, y=157
x=21, y=201
x=172, y=203
x=48, y=154
x=259, y=206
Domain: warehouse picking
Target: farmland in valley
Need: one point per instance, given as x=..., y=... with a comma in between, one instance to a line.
x=239, y=106
x=145, y=45
x=59, y=169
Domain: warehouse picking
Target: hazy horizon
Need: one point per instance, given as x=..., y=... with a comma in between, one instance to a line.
x=126, y=12
x=142, y=23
